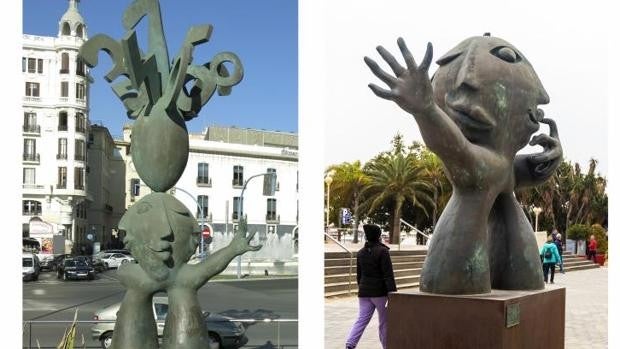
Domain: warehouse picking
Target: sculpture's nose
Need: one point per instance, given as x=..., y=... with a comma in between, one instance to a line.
x=467, y=73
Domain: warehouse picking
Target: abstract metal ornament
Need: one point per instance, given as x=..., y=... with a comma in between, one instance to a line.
x=154, y=91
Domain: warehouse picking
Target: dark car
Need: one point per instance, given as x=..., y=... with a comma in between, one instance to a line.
x=76, y=268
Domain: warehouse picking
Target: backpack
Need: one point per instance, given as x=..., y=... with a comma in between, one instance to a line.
x=548, y=253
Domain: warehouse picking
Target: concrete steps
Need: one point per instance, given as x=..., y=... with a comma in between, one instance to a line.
x=407, y=267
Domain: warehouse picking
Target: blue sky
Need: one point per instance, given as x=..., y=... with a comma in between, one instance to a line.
x=262, y=33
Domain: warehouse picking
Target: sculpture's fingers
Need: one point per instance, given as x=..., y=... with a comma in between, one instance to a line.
x=385, y=94
x=428, y=56
x=380, y=73
x=250, y=236
x=407, y=55
x=553, y=128
x=547, y=156
x=546, y=141
x=387, y=56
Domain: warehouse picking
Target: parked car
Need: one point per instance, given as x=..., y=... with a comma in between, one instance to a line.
x=47, y=261
x=123, y=251
x=76, y=268
x=224, y=332
x=114, y=260
x=30, y=267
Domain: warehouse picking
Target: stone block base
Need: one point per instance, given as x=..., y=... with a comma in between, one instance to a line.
x=498, y=320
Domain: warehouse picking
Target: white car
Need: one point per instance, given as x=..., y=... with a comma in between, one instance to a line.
x=115, y=260
x=30, y=266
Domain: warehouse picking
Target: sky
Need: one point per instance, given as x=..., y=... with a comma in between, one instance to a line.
x=566, y=45
x=263, y=34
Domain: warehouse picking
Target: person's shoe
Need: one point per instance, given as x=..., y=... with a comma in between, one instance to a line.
x=349, y=347
x=552, y=282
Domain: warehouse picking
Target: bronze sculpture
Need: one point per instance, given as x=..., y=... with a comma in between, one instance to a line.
x=161, y=232
x=477, y=111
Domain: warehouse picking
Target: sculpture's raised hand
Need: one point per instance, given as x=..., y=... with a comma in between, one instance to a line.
x=241, y=240
x=534, y=169
x=410, y=87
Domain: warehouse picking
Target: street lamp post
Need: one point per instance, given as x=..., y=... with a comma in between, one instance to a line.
x=239, y=206
x=537, y=211
x=202, y=221
x=329, y=178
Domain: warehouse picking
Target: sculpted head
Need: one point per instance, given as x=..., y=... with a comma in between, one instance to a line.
x=491, y=92
x=160, y=233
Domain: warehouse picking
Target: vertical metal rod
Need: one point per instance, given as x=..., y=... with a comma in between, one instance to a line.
x=279, y=335
x=30, y=336
x=350, y=270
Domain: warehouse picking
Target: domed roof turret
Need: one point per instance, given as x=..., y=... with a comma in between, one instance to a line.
x=72, y=22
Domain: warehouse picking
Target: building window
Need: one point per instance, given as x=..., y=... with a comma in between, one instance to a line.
x=80, y=122
x=32, y=89
x=238, y=175
x=24, y=64
x=31, y=208
x=235, y=214
x=62, y=149
x=135, y=187
x=40, y=66
x=62, y=178
x=30, y=149
x=29, y=176
x=66, y=30
x=79, y=67
x=271, y=209
x=32, y=65
x=64, y=89
x=64, y=63
x=79, y=90
x=80, y=150
x=30, y=123
x=203, y=203
x=274, y=178
x=203, y=173
x=78, y=178
x=62, y=121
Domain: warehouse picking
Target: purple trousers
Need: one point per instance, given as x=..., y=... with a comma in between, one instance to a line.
x=367, y=309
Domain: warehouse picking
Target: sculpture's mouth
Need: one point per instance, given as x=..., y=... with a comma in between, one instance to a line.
x=163, y=251
x=473, y=117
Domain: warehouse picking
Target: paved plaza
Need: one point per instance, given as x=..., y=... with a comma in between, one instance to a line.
x=586, y=313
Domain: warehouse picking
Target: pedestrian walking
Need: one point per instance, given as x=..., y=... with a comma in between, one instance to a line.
x=558, y=244
x=592, y=246
x=551, y=257
x=375, y=279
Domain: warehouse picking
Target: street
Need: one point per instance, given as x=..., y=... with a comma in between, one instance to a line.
x=50, y=299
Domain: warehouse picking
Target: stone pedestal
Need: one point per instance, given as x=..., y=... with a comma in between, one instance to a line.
x=499, y=320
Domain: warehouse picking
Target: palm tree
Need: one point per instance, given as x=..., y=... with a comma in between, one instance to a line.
x=396, y=177
x=348, y=181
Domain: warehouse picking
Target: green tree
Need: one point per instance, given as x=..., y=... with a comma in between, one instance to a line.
x=348, y=182
x=397, y=177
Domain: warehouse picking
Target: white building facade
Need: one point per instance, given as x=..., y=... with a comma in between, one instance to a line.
x=221, y=160
x=55, y=129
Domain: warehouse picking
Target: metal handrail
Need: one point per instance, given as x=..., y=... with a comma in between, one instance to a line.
x=350, y=258
x=415, y=229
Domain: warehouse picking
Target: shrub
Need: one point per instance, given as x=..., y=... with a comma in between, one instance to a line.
x=601, y=238
x=578, y=232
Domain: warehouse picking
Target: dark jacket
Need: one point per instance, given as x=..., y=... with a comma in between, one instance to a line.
x=375, y=277
x=558, y=244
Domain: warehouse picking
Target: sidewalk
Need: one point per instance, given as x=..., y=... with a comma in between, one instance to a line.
x=331, y=246
x=586, y=313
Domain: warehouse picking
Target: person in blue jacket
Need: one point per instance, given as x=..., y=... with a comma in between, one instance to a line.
x=550, y=257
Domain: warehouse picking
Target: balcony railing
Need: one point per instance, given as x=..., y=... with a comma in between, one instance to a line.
x=80, y=157
x=31, y=213
x=272, y=218
x=63, y=99
x=61, y=156
x=32, y=186
x=62, y=128
x=32, y=157
x=61, y=186
x=64, y=71
x=78, y=186
x=237, y=183
x=32, y=99
x=203, y=181
x=32, y=129
x=81, y=129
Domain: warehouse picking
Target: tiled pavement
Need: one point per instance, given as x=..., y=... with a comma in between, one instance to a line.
x=586, y=313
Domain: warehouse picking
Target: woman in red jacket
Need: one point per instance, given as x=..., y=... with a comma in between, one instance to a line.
x=592, y=248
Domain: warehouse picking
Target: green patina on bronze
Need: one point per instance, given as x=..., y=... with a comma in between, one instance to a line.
x=480, y=109
x=160, y=231
x=154, y=92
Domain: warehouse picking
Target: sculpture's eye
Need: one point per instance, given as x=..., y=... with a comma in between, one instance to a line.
x=447, y=59
x=507, y=54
